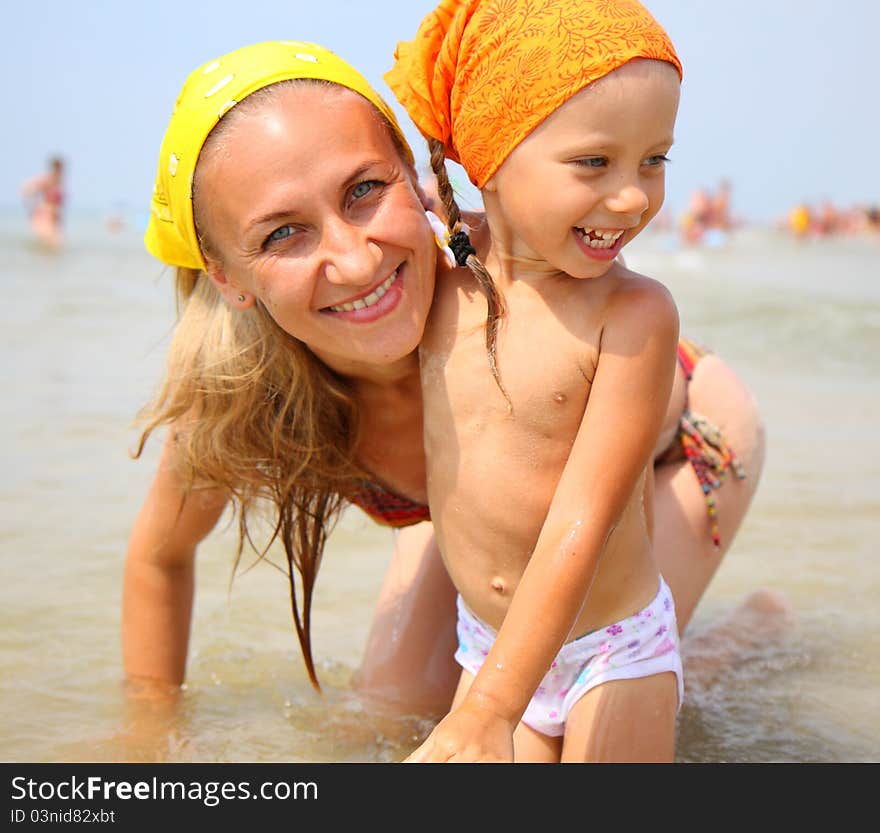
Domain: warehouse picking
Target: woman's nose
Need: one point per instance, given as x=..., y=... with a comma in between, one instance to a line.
x=350, y=257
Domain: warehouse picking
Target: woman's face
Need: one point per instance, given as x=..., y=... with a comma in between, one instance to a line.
x=308, y=206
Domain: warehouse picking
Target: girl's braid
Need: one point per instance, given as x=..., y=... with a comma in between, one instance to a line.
x=466, y=256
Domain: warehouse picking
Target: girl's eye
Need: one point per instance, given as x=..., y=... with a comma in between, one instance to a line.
x=659, y=159
x=592, y=162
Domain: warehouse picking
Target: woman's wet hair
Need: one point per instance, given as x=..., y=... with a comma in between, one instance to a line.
x=259, y=415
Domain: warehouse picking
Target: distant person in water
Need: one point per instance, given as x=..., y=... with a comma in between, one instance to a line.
x=44, y=198
x=800, y=220
x=721, y=217
x=708, y=216
x=696, y=218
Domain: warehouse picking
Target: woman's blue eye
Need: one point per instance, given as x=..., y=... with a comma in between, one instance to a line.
x=361, y=189
x=281, y=233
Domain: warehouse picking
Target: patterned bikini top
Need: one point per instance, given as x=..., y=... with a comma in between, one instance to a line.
x=386, y=507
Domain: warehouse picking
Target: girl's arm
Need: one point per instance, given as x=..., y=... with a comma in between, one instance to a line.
x=159, y=574
x=613, y=447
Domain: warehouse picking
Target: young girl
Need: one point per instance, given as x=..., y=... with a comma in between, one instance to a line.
x=562, y=113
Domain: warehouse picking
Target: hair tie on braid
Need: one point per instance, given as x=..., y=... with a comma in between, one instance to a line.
x=461, y=247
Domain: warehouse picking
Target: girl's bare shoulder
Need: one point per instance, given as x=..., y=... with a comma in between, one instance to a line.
x=637, y=300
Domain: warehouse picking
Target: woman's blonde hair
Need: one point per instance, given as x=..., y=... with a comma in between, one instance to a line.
x=260, y=416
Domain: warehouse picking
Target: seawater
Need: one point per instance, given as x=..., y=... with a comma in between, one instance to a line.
x=84, y=334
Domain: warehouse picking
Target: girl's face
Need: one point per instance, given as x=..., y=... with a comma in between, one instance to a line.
x=590, y=177
x=308, y=207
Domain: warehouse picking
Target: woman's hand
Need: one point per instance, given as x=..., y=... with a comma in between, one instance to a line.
x=470, y=734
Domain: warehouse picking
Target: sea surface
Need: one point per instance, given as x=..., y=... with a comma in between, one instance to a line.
x=83, y=334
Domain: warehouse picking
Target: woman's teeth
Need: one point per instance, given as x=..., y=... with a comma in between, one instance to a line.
x=597, y=239
x=372, y=298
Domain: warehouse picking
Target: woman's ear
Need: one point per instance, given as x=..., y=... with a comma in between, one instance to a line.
x=235, y=297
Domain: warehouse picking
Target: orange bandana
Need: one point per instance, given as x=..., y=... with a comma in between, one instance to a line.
x=482, y=74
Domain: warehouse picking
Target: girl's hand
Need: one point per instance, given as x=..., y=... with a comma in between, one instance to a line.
x=470, y=734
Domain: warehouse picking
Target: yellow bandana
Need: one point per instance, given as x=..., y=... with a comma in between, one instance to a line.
x=481, y=75
x=210, y=92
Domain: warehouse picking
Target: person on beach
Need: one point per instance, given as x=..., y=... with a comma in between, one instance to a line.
x=539, y=460
x=287, y=201
x=696, y=219
x=44, y=199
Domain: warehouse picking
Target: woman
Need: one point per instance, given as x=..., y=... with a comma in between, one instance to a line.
x=306, y=266
x=44, y=200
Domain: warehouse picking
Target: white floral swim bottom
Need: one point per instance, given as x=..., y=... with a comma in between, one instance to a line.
x=641, y=645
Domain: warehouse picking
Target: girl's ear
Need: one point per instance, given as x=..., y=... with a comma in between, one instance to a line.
x=235, y=297
x=429, y=198
x=428, y=201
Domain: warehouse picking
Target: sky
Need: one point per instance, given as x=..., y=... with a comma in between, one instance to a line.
x=777, y=94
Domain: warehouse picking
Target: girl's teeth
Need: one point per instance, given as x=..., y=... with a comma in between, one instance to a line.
x=601, y=240
x=375, y=295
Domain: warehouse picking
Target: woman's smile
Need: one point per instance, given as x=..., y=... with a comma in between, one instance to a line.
x=366, y=306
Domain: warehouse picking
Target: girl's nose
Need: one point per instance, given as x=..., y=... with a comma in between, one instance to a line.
x=630, y=199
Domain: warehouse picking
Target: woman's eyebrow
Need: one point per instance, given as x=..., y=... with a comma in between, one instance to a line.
x=355, y=175
x=364, y=168
x=267, y=218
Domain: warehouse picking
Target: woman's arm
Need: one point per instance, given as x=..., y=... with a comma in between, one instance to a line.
x=408, y=658
x=159, y=574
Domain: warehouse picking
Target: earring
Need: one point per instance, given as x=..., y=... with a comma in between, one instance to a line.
x=441, y=236
x=241, y=298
